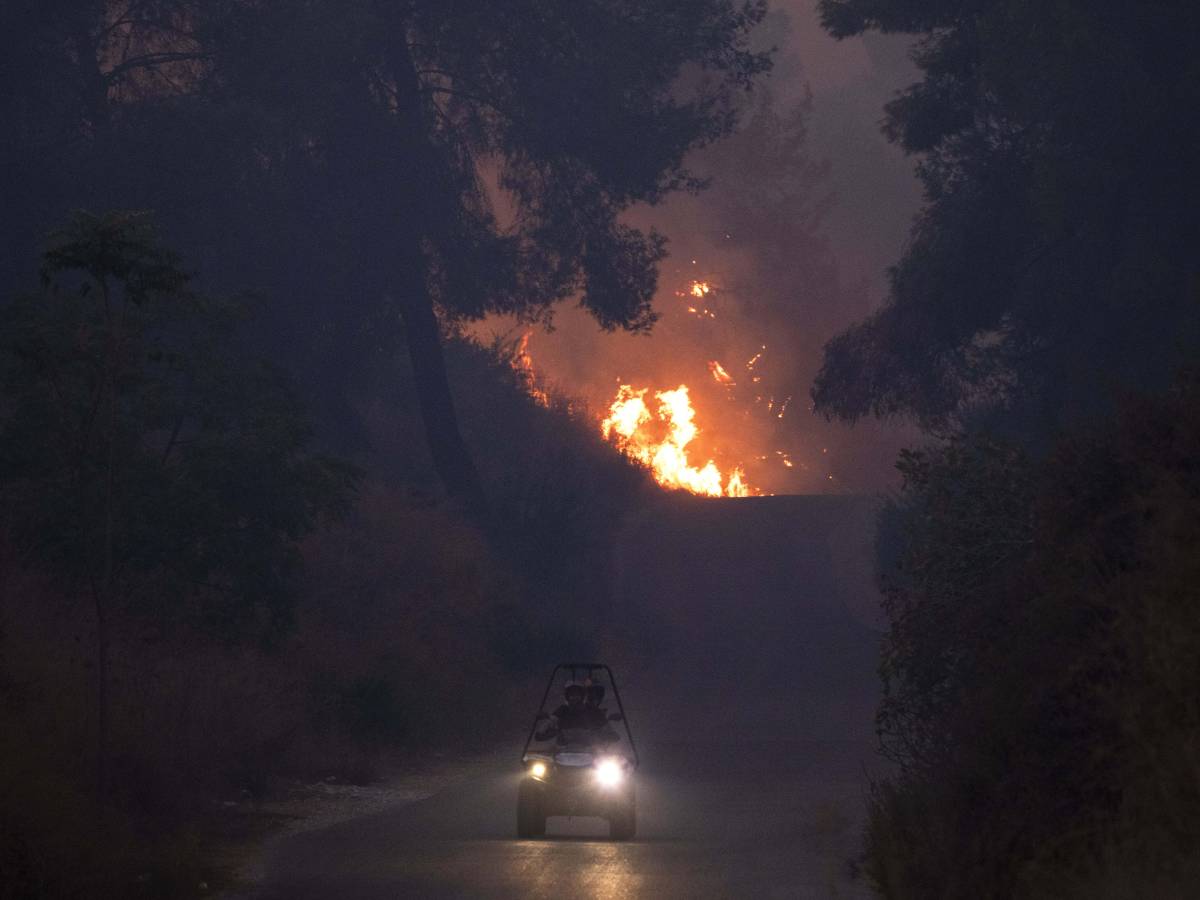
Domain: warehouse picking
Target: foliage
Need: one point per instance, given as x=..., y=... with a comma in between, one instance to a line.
x=1054, y=256
x=964, y=518
x=395, y=622
x=138, y=445
x=146, y=464
x=186, y=716
x=366, y=161
x=561, y=493
x=559, y=490
x=1042, y=693
x=1042, y=604
x=577, y=112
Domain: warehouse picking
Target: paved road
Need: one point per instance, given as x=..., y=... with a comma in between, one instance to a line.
x=729, y=618
x=777, y=820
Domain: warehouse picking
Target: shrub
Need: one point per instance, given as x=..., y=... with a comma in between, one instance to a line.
x=1042, y=697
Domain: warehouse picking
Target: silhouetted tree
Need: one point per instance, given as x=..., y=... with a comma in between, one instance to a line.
x=378, y=160
x=1055, y=254
x=477, y=157
x=73, y=75
x=1041, y=696
x=142, y=461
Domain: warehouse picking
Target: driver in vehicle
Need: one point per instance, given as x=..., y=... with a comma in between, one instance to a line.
x=576, y=721
x=569, y=715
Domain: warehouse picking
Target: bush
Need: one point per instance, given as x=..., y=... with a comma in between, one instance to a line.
x=1042, y=698
x=271, y=631
x=393, y=634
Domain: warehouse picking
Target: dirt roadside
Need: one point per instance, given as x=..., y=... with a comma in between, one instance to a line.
x=255, y=826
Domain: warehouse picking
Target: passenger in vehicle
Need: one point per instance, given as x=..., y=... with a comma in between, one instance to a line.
x=597, y=715
x=593, y=700
x=569, y=716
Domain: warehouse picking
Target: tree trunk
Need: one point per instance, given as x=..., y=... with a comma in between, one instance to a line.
x=420, y=197
x=105, y=592
x=101, y=702
x=451, y=458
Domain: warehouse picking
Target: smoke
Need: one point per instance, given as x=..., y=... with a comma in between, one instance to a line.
x=807, y=207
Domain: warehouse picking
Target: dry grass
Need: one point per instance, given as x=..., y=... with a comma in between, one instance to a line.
x=393, y=633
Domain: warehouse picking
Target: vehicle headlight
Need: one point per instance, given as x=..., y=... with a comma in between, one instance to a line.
x=538, y=770
x=609, y=773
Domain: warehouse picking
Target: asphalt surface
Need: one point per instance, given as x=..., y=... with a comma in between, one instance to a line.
x=748, y=617
x=769, y=820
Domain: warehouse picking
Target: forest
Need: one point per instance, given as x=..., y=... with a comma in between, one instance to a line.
x=271, y=510
x=1038, y=561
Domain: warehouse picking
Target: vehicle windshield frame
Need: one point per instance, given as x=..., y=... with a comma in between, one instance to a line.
x=587, y=669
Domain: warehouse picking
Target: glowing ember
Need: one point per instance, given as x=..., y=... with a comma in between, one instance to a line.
x=720, y=376
x=632, y=427
x=697, y=290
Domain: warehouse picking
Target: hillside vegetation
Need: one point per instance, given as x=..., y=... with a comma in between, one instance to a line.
x=256, y=611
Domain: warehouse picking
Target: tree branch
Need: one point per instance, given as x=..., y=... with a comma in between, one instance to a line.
x=152, y=61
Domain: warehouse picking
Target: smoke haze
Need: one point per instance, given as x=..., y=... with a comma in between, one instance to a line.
x=807, y=207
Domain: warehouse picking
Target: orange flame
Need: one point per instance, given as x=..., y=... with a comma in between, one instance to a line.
x=658, y=437
x=720, y=376
x=697, y=290
x=736, y=486
x=667, y=456
x=522, y=364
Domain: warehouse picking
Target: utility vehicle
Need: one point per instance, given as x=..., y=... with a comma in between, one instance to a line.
x=579, y=771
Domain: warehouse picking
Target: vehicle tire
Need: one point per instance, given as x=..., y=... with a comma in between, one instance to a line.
x=622, y=822
x=531, y=812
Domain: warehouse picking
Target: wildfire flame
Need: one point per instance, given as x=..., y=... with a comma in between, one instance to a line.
x=522, y=364
x=657, y=428
x=631, y=426
x=697, y=290
x=720, y=376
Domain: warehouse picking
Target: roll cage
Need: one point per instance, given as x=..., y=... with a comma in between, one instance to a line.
x=575, y=669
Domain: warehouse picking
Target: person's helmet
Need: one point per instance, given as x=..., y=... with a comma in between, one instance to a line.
x=574, y=692
x=595, y=694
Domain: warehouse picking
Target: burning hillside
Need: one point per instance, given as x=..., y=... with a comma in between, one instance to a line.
x=657, y=434
x=658, y=427
x=659, y=437
x=708, y=402
x=697, y=425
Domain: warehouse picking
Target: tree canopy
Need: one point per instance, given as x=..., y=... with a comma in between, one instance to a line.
x=1040, y=697
x=373, y=161
x=1054, y=257
x=142, y=454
